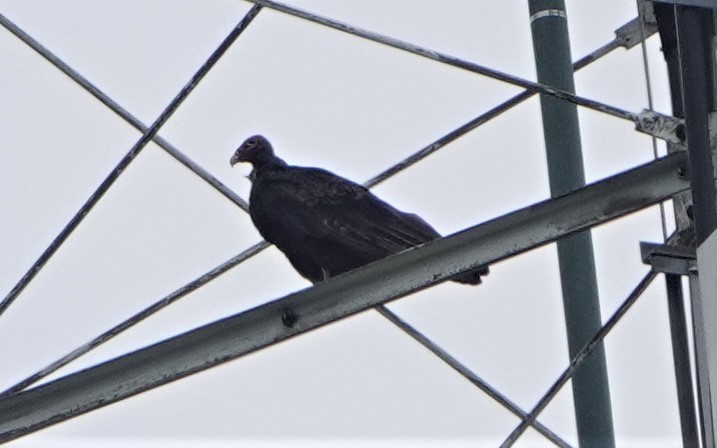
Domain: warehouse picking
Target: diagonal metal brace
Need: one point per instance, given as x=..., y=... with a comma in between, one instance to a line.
x=340, y=297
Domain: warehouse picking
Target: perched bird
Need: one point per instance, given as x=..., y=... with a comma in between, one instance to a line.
x=326, y=225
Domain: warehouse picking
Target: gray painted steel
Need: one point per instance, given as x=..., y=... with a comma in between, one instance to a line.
x=694, y=31
x=626, y=36
x=696, y=52
x=339, y=297
x=121, y=111
x=591, y=391
x=665, y=16
x=681, y=361
x=147, y=136
x=578, y=360
x=468, y=374
x=668, y=258
x=641, y=124
x=706, y=307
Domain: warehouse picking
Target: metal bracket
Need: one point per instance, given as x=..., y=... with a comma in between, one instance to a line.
x=665, y=127
x=680, y=260
x=630, y=33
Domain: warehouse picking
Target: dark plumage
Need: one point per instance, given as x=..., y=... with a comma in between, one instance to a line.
x=326, y=225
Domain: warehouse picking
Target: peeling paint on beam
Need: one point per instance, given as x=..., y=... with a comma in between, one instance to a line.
x=340, y=297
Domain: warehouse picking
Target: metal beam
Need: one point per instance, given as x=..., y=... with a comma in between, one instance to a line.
x=340, y=297
x=694, y=37
x=705, y=308
x=146, y=137
x=626, y=36
x=577, y=361
x=681, y=361
x=468, y=374
x=661, y=126
x=694, y=28
x=121, y=111
x=581, y=304
x=665, y=16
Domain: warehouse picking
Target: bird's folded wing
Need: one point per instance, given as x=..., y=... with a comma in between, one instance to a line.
x=344, y=214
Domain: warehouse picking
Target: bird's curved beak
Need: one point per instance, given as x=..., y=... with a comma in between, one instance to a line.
x=236, y=158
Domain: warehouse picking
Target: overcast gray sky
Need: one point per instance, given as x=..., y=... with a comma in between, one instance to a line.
x=326, y=99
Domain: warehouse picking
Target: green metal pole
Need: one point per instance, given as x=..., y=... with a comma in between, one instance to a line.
x=591, y=392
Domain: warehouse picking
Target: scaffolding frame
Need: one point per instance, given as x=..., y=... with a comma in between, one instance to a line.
x=25, y=410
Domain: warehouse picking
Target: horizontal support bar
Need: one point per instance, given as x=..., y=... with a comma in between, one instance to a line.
x=339, y=297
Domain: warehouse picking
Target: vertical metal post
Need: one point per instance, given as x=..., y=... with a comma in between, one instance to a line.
x=591, y=391
x=681, y=359
x=694, y=36
x=695, y=46
x=665, y=16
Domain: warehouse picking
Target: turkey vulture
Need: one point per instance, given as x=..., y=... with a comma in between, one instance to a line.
x=326, y=225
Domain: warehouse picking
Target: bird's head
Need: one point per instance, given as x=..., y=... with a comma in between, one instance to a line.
x=256, y=150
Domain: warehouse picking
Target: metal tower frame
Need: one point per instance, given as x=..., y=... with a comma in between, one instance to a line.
x=687, y=32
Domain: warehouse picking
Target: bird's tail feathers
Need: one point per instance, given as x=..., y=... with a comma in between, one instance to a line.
x=472, y=277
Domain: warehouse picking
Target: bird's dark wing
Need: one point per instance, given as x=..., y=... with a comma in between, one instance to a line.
x=346, y=223
x=352, y=214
